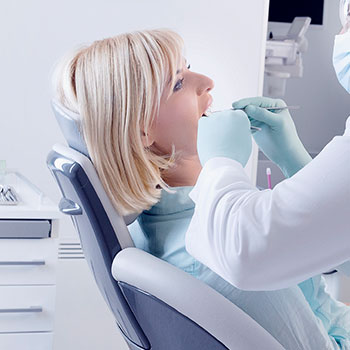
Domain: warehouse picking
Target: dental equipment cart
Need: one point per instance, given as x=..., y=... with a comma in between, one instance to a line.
x=28, y=262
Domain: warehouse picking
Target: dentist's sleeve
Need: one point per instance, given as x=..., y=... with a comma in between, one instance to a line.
x=272, y=239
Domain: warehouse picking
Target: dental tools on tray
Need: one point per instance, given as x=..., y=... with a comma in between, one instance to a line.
x=8, y=196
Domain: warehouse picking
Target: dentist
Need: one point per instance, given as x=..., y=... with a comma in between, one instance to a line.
x=273, y=239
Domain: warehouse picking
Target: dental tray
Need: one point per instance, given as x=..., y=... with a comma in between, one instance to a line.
x=8, y=196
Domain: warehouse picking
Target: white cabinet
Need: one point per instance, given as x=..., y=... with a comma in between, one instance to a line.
x=83, y=320
x=28, y=266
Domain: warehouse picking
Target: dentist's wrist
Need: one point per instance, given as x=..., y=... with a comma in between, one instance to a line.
x=296, y=159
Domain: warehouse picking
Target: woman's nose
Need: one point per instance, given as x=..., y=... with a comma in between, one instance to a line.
x=210, y=85
x=206, y=84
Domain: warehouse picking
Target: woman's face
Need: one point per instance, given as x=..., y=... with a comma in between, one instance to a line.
x=177, y=122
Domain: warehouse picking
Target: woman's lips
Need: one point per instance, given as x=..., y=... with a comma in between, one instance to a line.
x=210, y=101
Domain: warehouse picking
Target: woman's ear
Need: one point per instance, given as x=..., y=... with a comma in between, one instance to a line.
x=147, y=142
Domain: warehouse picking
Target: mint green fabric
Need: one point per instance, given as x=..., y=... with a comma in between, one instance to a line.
x=334, y=315
x=286, y=314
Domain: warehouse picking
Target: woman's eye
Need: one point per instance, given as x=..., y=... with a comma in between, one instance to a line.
x=179, y=84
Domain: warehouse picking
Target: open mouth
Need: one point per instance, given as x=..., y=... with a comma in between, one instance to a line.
x=207, y=111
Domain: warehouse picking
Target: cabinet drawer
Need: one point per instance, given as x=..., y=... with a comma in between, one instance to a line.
x=26, y=341
x=22, y=228
x=27, y=308
x=28, y=261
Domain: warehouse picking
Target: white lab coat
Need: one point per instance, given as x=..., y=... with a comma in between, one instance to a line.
x=273, y=239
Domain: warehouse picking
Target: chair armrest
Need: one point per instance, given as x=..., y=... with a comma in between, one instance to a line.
x=192, y=298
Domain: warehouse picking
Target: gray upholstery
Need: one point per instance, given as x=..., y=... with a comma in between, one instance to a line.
x=69, y=123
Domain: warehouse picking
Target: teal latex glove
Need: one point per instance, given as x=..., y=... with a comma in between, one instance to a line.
x=224, y=134
x=278, y=138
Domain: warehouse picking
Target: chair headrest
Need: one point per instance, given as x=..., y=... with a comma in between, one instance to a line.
x=70, y=124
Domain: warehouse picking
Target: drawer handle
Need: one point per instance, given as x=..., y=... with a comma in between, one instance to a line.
x=22, y=263
x=22, y=310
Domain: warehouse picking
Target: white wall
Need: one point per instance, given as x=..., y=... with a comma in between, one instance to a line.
x=325, y=105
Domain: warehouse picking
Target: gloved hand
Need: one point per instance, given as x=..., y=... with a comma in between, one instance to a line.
x=224, y=134
x=278, y=138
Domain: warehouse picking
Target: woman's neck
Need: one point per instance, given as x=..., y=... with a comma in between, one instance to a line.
x=184, y=173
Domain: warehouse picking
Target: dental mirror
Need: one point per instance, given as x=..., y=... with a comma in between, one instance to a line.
x=344, y=11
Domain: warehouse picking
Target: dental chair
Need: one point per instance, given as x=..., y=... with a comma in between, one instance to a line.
x=155, y=305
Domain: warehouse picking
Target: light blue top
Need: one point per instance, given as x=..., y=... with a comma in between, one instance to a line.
x=164, y=227
x=300, y=317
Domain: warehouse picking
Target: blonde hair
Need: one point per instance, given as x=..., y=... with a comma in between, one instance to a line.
x=116, y=84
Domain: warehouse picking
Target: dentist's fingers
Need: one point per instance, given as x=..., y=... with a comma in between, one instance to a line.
x=256, y=123
x=262, y=115
x=258, y=101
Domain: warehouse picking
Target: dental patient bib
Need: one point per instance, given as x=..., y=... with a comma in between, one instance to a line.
x=161, y=230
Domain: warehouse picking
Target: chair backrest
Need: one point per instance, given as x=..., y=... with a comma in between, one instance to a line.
x=98, y=237
x=102, y=231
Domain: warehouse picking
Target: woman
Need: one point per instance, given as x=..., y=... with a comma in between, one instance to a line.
x=140, y=105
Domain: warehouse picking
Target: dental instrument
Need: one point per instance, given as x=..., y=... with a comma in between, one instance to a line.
x=7, y=195
x=277, y=108
x=281, y=108
x=267, y=108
